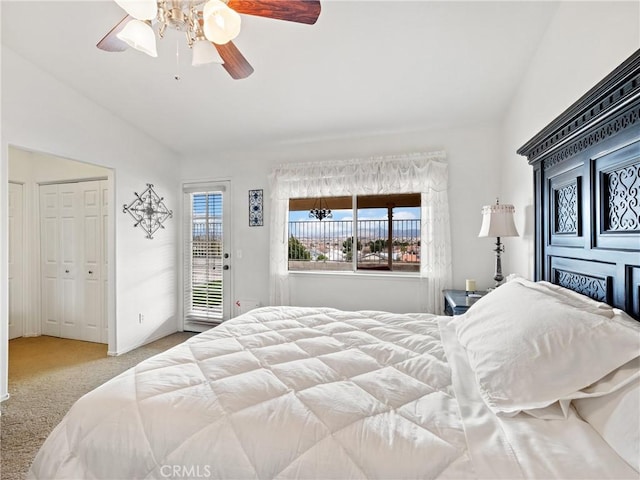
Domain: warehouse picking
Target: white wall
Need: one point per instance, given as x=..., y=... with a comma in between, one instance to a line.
x=4, y=256
x=472, y=153
x=41, y=114
x=584, y=42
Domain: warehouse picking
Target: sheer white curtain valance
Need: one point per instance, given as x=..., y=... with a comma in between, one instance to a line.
x=425, y=173
x=413, y=173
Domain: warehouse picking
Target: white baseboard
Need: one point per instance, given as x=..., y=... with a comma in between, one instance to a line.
x=146, y=341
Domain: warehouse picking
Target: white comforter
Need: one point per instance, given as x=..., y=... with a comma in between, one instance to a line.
x=288, y=393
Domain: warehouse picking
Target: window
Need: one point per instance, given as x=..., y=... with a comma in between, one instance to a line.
x=424, y=175
x=364, y=232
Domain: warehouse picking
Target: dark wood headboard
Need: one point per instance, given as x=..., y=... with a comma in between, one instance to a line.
x=586, y=170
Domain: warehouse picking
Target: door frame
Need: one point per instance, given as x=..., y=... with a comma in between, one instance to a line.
x=228, y=228
x=23, y=256
x=31, y=279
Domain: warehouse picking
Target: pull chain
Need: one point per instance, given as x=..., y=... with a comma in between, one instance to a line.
x=177, y=75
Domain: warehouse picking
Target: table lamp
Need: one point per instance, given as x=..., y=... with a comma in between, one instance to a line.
x=497, y=221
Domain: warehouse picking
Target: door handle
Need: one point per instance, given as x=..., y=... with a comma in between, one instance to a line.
x=66, y=271
x=226, y=267
x=90, y=272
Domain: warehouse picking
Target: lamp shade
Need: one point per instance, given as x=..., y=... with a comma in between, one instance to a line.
x=139, y=35
x=140, y=9
x=220, y=23
x=497, y=221
x=204, y=52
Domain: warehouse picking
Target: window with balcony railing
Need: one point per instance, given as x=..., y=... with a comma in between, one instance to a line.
x=364, y=232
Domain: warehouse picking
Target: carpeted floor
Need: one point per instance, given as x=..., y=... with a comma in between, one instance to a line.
x=46, y=376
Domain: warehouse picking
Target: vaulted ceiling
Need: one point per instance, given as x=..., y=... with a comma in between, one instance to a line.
x=364, y=67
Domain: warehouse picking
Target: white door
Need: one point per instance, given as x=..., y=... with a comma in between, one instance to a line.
x=207, y=255
x=73, y=260
x=91, y=221
x=50, y=259
x=104, y=204
x=16, y=261
x=70, y=266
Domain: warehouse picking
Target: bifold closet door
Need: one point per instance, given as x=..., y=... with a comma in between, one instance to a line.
x=50, y=259
x=72, y=255
x=70, y=244
x=59, y=253
x=104, y=212
x=92, y=264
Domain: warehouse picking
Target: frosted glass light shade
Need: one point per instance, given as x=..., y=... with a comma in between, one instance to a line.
x=497, y=221
x=204, y=52
x=140, y=9
x=139, y=35
x=220, y=23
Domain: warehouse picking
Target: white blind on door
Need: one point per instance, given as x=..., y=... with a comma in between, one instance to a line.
x=203, y=257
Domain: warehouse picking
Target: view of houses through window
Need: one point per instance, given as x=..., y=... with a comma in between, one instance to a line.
x=368, y=232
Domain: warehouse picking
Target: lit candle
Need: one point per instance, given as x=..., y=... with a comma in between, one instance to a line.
x=470, y=285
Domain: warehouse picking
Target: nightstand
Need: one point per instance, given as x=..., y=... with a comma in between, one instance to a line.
x=456, y=302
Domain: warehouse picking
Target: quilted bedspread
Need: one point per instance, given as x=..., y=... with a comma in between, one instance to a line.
x=281, y=392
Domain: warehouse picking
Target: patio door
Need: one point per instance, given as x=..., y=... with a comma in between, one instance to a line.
x=207, y=248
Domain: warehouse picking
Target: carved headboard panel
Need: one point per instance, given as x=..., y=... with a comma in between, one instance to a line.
x=586, y=166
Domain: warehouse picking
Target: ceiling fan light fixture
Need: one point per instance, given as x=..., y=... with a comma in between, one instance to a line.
x=204, y=52
x=139, y=35
x=139, y=9
x=221, y=24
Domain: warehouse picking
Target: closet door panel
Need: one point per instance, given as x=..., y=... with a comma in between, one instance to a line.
x=104, y=223
x=69, y=230
x=69, y=328
x=70, y=255
x=49, y=254
x=50, y=307
x=92, y=238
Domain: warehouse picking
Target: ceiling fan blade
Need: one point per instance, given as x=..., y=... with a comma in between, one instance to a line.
x=110, y=42
x=234, y=62
x=301, y=11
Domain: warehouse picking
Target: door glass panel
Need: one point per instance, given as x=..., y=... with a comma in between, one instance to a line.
x=206, y=293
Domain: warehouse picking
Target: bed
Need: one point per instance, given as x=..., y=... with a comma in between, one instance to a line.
x=538, y=379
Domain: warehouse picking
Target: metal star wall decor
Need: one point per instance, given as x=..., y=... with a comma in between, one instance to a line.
x=148, y=210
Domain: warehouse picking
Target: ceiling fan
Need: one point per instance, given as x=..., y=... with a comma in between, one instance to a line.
x=206, y=23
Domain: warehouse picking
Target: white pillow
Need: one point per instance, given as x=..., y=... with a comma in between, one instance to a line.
x=532, y=344
x=616, y=415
